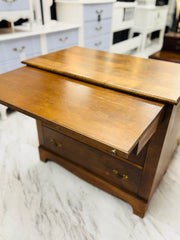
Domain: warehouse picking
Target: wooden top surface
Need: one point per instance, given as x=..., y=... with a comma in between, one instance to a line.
x=110, y=117
x=145, y=77
x=167, y=56
x=173, y=35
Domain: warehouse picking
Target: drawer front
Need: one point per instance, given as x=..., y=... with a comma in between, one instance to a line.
x=97, y=12
x=99, y=43
x=128, y=14
x=171, y=44
x=10, y=65
x=160, y=18
x=109, y=168
x=94, y=29
x=63, y=39
x=12, y=49
x=14, y=5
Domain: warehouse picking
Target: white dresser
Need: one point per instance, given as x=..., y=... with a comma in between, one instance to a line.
x=95, y=19
x=22, y=44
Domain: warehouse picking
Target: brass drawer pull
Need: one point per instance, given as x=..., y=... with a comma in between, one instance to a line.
x=123, y=177
x=99, y=12
x=98, y=28
x=98, y=44
x=63, y=39
x=55, y=143
x=114, y=152
x=9, y=1
x=19, y=50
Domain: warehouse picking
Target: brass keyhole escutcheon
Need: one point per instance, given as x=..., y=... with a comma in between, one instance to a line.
x=114, y=152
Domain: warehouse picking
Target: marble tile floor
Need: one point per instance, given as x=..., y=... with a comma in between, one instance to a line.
x=46, y=202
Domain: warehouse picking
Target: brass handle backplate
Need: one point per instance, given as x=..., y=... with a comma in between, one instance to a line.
x=98, y=44
x=122, y=176
x=53, y=141
x=19, y=50
x=99, y=12
x=9, y=1
x=98, y=28
x=63, y=39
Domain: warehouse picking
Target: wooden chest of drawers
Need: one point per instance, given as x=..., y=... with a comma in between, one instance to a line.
x=172, y=42
x=110, y=168
x=118, y=142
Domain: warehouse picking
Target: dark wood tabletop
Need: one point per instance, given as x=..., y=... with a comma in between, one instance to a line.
x=166, y=55
x=144, y=77
x=106, y=116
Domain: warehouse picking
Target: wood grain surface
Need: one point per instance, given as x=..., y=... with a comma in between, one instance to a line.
x=165, y=55
x=99, y=116
x=144, y=77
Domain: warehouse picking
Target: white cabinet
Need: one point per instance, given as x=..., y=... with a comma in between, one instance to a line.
x=14, y=5
x=97, y=12
x=148, y=20
x=15, y=50
x=21, y=45
x=95, y=19
x=123, y=20
x=61, y=39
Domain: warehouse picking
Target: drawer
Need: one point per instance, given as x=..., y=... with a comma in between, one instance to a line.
x=11, y=49
x=128, y=14
x=97, y=12
x=10, y=65
x=160, y=18
x=110, y=168
x=94, y=29
x=63, y=39
x=100, y=43
x=151, y=18
x=14, y=5
x=171, y=44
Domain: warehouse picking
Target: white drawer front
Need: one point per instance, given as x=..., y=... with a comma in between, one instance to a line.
x=99, y=43
x=10, y=65
x=160, y=18
x=97, y=12
x=60, y=40
x=14, y=5
x=12, y=49
x=94, y=29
